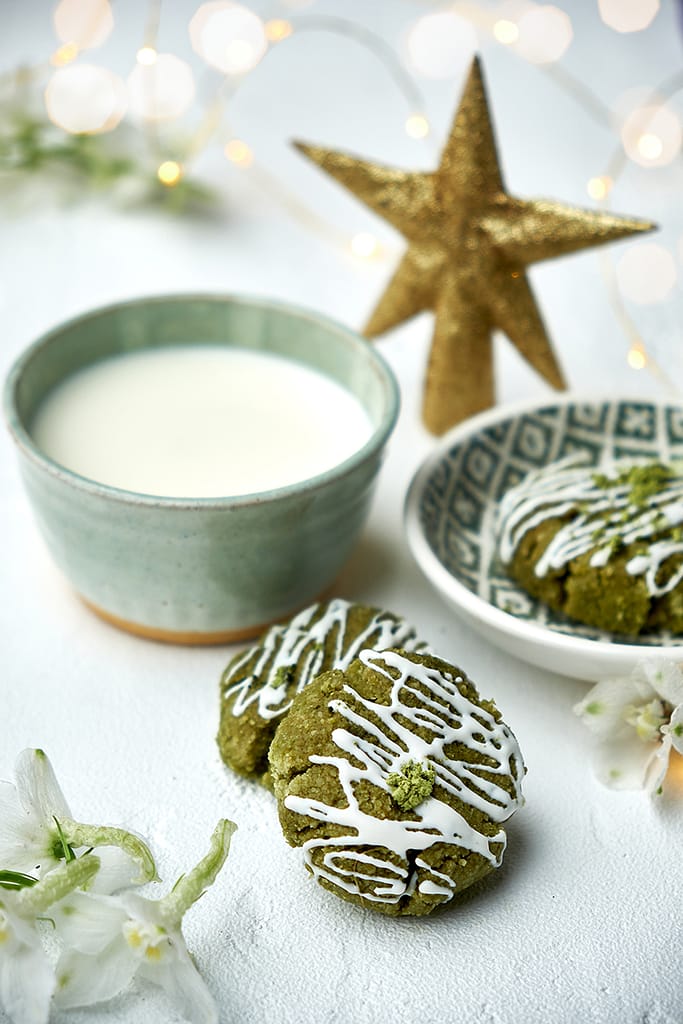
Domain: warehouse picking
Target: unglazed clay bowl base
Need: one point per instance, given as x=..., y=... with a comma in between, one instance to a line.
x=201, y=570
x=451, y=511
x=172, y=636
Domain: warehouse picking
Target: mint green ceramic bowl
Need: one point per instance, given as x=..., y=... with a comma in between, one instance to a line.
x=202, y=570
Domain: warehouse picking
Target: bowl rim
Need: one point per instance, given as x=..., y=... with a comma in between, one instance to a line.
x=458, y=594
x=375, y=442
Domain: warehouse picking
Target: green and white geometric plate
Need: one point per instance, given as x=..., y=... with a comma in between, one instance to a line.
x=452, y=506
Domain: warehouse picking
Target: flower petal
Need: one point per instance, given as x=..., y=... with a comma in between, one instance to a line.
x=623, y=764
x=603, y=706
x=117, y=871
x=83, y=980
x=184, y=985
x=667, y=679
x=26, y=984
x=38, y=788
x=141, y=909
x=658, y=766
x=21, y=838
x=675, y=730
x=88, y=923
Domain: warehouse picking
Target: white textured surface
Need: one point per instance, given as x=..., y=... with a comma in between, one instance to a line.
x=582, y=924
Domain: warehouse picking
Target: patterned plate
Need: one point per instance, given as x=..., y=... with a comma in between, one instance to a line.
x=451, y=515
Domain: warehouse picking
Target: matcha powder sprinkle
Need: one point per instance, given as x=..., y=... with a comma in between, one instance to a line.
x=411, y=785
x=644, y=481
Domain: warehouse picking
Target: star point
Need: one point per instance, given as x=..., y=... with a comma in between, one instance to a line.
x=469, y=245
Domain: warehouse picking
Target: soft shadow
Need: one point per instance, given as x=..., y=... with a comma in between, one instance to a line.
x=519, y=850
x=371, y=564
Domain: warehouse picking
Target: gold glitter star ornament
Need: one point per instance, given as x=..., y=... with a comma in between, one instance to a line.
x=469, y=245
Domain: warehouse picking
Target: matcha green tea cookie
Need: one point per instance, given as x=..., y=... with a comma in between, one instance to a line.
x=259, y=684
x=604, y=545
x=395, y=777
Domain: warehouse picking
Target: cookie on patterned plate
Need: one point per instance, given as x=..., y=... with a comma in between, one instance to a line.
x=602, y=544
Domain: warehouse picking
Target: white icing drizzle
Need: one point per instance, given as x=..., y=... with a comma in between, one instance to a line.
x=299, y=646
x=371, y=758
x=568, y=486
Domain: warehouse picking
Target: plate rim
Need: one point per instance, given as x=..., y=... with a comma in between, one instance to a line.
x=472, y=604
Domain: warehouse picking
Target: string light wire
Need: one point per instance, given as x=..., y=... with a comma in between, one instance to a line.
x=638, y=356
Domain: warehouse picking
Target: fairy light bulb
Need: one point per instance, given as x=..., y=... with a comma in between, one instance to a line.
x=545, y=33
x=83, y=23
x=417, y=126
x=229, y=37
x=600, y=187
x=505, y=31
x=239, y=152
x=277, y=29
x=652, y=135
x=84, y=98
x=628, y=15
x=364, y=245
x=64, y=55
x=169, y=173
x=636, y=357
x=650, y=146
x=146, y=55
x=161, y=90
x=646, y=273
x=441, y=44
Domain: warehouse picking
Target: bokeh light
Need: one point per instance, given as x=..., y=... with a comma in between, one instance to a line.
x=169, y=173
x=636, y=358
x=239, y=152
x=646, y=273
x=417, y=126
x=650, y=146
x=85, y=98
x=545, y=33
x=599, y=187
x=146, y=55
x=364, y=245
x=652, y=135
x=440, y=44
x=505, y=31
x=161, y=90
x=277, y=29
x=64, y=55
x=229, y=37
x=83, y=23
x=628, y=15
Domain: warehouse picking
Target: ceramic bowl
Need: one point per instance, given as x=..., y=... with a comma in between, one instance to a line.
x=204, y=570
x=451, y=513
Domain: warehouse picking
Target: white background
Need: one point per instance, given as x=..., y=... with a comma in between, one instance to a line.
x=582, y=923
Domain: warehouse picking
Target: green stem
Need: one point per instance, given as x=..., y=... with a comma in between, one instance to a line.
x=190, y=887
x=79, y=834
x=56, y=885
x=16, y=880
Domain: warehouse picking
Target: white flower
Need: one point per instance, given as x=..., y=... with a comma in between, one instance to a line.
x=112, y=939
x=37, y=829
x=29, y=838
x=27, y=980
x=639, y=720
